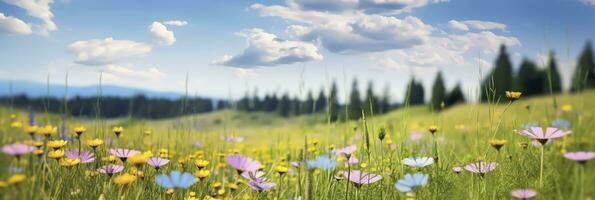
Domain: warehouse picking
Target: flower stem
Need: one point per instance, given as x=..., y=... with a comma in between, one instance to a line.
x=541, y=167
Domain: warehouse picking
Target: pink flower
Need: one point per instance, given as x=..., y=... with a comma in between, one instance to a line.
x=345, y=151
x=523, y=193
x=415, y=136
x=538, y=134
x=581, y=156
x=17, y=149
x=110, y=169
x=352, y=160
x=481, y=167
x=84, y=157
x=457, y=169
x=157, y=162
x=252, y=175
x=123, y=154
x=242, y=163
x=360, y=178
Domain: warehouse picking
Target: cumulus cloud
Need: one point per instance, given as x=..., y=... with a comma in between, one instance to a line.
x=106, y=51
x=588, y=2
x=161, y=35
x=475, y=24
x=367, y=6
x=39, y=9
x=130, y=72
x=13, y=25
x=178, y=23
x=266, y=49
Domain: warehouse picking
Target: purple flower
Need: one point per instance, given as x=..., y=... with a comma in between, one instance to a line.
x=538, y=134
x=157, y=162
x=523, y=193
x=457, y=169
x=360, y=178
x=481, y=167
x=123, y=154
x=253, y=175
x=110, y=169
x=261, y=184
x=581, y=156
x=345, y=151
x=352, y=160
x=242, y=163
x=415, y=136
x=17, y=149
x=84, y=157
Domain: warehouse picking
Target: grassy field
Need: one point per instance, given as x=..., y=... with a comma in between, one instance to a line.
x=463, y=136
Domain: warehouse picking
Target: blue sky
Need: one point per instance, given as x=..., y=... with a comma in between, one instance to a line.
x=229, y=47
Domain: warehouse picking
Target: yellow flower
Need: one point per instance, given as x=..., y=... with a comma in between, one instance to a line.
x=433, y=129
x=216, y=185
x=363, y=165
x=79, y=130
x=169, y=191
x=3, y=184
x=110, y=158
x=31, y=129
x=37, y=144
x=137, y=173
x=117, y=130
x=15, y=179
x=201, y=174
x=281, y=169
x=38, y=152
x=57, y=144
x=56, y=154
x=124, y=179
x=513, y=96
x=48, y=130
x=232, y=186
x=497, y=144
x=94, y=143
x=16, y=124
x=138, y=159
x=567, y=108
x=91, y=173
x=201, y=163
x=67, y=162
x=191, y=196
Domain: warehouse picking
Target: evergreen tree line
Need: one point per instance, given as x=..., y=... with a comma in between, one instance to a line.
x=137, y=106
x=531, y=80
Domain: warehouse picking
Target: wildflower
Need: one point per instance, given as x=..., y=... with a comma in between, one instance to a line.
x=38, y=152
x=16, y=124
x=418, y=162
x=360, y=178
x=37, y=144
x=124, y=179
x=79, y=130
x=202, y=174
x=157, y=162
x=232, y=186
x=3, y=184
x=523, y=193
x=415, y=136
x=457, y=169
x=138, y=159
x=241, y=163
x=581, y=156
x=175, y=179
x=16, y=179
x=433, y=129
x=117, y=130
x=513, y=96
x=110, y=169
x=497, y=144
x=91, y=173
x=123, y=154
x=561, y=124
x=253, y=175
x=17, y=150
x=31, y=130
x=57, y=144
x=481, y=167
x=411, y=181
x=48, y=130
x=381, y=134
x=322, y=162
x=169, y=191
x=261, y=184
x=56, y=154
x=538, y=134
x=109, y=158
x=94, y=143
x=345, y=151
x=567, y=108
x=281, y=169
x=68, y=162
x=84, y=157
x=201, y=163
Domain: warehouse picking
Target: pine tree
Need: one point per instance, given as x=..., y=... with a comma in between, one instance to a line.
x=320, y=105
x=385, y=102
x=584, y=75
x=284, y=106
x=455, y=96
x=414, y=94
x=438, y=93
x=500, y=79
x=553, y=81
x=308, y=106
x=295, y=109
x=530, y=80
x=333, y=103
x=371, y=102
x=355, y=102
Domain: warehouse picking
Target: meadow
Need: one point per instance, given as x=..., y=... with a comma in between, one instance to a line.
x=468, y=151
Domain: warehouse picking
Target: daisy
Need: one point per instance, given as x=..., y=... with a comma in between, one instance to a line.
x=242, y=163
x=110, y=169
x=481, y=167
x=17, y=150
x=176, y=179
x=157, y=162
x=538, y=133
x=84, y=157
x=581, y=156
x=360, y=178
x=346, y=151
x=523, y=193
x=418, y=162
x=123, y=154
x=411, y=181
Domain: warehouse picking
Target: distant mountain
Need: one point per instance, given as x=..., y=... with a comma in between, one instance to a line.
x=35, y=89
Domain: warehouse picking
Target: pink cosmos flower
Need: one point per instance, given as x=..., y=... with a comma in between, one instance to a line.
x=481, y=167
x=581, y=156
x=110, y=169
x=457, y=169
x=242, y=163
x=157, y=162
x=17, y=149
x=538, y=133
x=352, y=160
x=360, y=178
x=523, y=193
x=123, y=154
x=253, y=175
x=345, y=151
x=415, y=136
x=84, y=157
x=261, y=184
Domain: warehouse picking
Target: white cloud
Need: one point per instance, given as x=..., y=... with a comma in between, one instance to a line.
x=129, y=72
x=161, y=35
x=39, y=9
x=367, y=6
x=178, y=23
x=476, y=25
x=266, y=49
x=13, y=25
x=456, y=25
x=588, y=2
x=106, y=51
x=243, y=73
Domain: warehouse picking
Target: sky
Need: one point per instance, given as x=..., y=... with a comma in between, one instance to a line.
x=227, y=48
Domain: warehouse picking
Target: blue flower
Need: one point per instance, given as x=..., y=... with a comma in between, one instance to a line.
x=411, y=181
x=418, y=162
x=561, y=124
x=322, y=162
x=176, y=180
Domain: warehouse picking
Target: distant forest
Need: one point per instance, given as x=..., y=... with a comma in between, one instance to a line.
x=529, y=79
